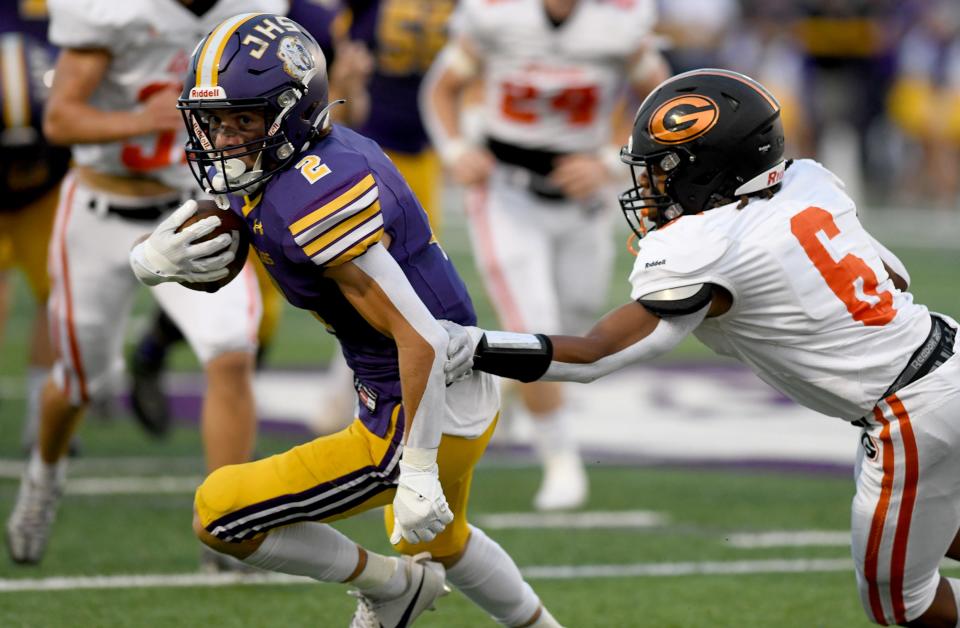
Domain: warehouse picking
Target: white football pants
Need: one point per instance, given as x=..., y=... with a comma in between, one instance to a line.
x=546, y=264
x=93, y=288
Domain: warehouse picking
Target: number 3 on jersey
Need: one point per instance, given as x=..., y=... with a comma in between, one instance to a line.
x=165, y=151
x=850, y=278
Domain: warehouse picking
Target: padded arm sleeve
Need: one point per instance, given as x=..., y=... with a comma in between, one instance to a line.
x=666, y=335
x=379, y=265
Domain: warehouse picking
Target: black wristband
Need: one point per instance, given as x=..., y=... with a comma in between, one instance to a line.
x=526, y=358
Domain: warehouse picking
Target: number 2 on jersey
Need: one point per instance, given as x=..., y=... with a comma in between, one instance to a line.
x=850, y=278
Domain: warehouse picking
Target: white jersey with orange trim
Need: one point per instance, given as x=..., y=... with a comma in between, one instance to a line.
x=814, y=312
x=150, y=42
x=554, y=87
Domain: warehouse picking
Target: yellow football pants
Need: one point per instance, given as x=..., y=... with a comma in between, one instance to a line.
x=334, y=477
x=24, y=238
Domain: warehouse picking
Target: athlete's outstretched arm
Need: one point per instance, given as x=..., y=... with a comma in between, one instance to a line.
x=629, y=334
x=70, y=119
x=376, y=286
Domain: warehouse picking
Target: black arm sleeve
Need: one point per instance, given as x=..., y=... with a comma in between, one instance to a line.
x=524, y=364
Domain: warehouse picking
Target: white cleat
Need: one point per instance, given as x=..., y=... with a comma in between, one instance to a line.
x=564, y=485
x=28, y=528
x=425, y=583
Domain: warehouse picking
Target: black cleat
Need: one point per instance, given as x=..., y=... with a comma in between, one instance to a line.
x=147, y=397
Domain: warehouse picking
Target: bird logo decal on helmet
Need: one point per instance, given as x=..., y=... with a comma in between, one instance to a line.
x=296, y=60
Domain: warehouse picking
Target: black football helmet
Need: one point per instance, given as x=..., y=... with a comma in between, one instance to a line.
x=702, y=139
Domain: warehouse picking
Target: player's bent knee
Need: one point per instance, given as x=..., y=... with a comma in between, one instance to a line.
x=916, y=600
x=230, y=364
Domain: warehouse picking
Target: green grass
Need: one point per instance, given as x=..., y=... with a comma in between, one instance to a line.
x=126, y=534
x=137, y=534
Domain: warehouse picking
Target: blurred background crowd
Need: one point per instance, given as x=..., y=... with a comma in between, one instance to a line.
x=868, y=86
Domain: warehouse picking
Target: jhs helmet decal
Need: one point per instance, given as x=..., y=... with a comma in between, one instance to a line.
x=683, y=119
x=296, y=59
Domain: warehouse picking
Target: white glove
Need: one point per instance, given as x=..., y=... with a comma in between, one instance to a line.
x=463, y=344
x=420, y=510
x=170, y=256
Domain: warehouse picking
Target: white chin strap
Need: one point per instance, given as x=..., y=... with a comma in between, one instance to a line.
x=233, y=172
x=766, y=179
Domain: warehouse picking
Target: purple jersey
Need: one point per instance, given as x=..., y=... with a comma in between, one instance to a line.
x=30, y=167
x=25, y=16
x=339, y=199
x=404, y=37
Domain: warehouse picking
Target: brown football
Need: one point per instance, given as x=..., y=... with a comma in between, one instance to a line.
x=229, y=221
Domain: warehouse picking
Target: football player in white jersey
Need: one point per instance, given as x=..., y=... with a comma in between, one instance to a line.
x=553, y=73
x=114, y=99
x=766, y=261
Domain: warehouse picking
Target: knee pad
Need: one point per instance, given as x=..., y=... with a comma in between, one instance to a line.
x=218, y=495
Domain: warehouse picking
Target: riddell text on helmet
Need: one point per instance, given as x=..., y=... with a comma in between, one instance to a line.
x=208, y=92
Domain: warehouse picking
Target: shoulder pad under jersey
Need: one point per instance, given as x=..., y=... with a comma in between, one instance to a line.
x=339, y=215
x=630, y=22
x=682, y=254
x=678, y=301
x=476, y=20
x=90, y=23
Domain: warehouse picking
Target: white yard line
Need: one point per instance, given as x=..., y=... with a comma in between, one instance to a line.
x=790, y=538
x=568, y=520
x=133, y=485
x=558, y=572
x=546, y=572
x=12, y=468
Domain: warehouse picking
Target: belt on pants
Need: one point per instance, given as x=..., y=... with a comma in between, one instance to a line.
x=934, y=351
x=144, y=212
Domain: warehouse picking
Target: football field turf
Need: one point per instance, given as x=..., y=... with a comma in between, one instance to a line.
x=708, y=545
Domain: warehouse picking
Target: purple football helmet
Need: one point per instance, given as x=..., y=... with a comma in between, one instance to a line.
x=254, y=61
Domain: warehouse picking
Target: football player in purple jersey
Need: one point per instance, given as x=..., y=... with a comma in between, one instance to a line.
x=403, y=37
x=343, y=236
x=30, y=174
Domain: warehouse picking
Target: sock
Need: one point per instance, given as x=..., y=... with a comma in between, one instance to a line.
x=39, y=470
x=383, y=577
x=153, y=347
x=552, y=433
x=955, y=587
x=545, y=620
x=488, y=576
x=307, y=549
x=36, y=377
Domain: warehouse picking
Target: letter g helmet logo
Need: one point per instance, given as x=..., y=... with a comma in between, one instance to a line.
x=683, y=119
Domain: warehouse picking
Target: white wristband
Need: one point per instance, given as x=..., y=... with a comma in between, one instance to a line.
x=145, y=272
x=419, y=458
x=452, y=150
